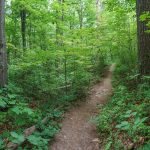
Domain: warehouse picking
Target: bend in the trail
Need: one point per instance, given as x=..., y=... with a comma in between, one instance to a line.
x=77, y=132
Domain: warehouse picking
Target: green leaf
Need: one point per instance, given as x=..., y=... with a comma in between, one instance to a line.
x=145, y=147
x=33, y=139
x=17, y=138
x=129, y=112
x=3, y=104
x=119, y=126
x=108, y=146
x=17, y=110
x=37, y=140
x=1, y=144
x=11, y=96
x=124, y=123
x=28, y=111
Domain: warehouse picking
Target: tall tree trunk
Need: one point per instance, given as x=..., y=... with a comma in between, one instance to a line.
x=23, y=27
x=143, y=38
x=3, y=53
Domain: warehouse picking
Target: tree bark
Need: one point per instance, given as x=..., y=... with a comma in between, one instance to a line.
x=23, y=27
x=3, y=53
x=143, y=38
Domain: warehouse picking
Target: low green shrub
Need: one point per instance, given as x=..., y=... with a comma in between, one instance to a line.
x=124, y=120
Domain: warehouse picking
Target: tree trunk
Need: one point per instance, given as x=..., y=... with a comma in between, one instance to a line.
x=3, y=53
x=80, y=12
x=143, y=38
x=23, y=27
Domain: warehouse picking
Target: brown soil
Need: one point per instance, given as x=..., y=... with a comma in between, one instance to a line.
x=78, y=132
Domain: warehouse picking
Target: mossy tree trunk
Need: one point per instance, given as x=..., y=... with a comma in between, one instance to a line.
x=3, y=53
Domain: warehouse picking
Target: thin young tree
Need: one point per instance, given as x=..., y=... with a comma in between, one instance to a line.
x=23, y=27
x=143, y=38
x=3, y=54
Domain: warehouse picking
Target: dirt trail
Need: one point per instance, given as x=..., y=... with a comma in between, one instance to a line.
x=78, y=133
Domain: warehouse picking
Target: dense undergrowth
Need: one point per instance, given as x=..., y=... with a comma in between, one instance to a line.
x=38, y=94
x=52, y=63
x=124, y=121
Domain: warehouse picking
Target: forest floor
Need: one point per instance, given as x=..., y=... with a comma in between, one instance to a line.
x=78, y=132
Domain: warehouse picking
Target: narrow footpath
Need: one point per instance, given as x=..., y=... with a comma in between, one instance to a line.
x=78, y=132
